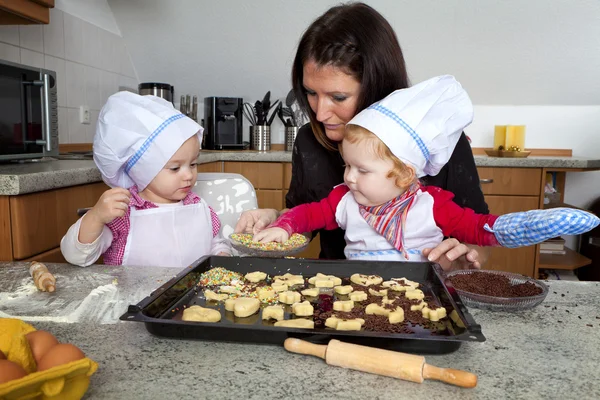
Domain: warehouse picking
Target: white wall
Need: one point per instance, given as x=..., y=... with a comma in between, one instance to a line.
x=91, y=63
x=96, y=12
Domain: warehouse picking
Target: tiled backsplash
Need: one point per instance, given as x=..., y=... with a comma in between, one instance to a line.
x=90, y=63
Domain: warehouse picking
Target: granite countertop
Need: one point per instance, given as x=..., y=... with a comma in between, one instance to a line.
x=548, y=352
x=29, y=177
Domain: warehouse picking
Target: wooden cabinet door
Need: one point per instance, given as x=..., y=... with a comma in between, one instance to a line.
x=51, y=256
x=262, y=175
x=520, y=260
x=269, y=198
x=25, y=12
x=287, y=175
x=40, y=220
x=216, y=166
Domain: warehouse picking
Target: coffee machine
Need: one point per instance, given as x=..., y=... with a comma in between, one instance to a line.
x=223, y=123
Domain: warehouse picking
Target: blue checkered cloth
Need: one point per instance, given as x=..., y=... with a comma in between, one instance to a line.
x=531, y=227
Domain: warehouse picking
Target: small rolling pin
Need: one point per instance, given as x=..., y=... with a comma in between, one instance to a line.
x=381, y=362
x=42, y=279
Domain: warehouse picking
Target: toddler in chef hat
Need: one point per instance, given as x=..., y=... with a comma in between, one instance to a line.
x=386, y=213
x=146, y=151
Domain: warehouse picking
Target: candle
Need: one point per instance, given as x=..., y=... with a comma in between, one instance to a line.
x=499, y=136
x=515, y=136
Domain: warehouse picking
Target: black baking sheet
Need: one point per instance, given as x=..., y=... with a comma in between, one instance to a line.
x=161, y=311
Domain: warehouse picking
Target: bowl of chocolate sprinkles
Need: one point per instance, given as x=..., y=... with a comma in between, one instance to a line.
x=497, y=290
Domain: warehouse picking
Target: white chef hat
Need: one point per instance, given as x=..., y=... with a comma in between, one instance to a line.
x=136, y=136
x=421, y=124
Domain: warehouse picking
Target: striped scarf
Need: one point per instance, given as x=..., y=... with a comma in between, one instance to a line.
x=388, y=219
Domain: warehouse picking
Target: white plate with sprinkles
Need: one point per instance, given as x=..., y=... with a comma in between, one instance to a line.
x=243, y=243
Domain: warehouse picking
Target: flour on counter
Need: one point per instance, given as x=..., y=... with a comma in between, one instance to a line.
x=104, y=305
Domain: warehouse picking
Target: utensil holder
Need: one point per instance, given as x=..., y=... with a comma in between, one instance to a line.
x=260, y=137
x=290, y=137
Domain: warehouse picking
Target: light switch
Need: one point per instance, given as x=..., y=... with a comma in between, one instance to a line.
x=84, y=115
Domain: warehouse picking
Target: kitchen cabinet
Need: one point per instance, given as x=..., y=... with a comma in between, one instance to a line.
x=508, y=190
x=216, y=166
x=25, y=12
x=33, y=224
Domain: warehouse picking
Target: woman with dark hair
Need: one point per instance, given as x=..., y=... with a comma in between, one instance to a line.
x=348, y=59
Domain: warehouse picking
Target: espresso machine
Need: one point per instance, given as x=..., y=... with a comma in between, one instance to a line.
x=223, y=123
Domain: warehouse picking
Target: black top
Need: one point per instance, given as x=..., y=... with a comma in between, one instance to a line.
x=316, y=170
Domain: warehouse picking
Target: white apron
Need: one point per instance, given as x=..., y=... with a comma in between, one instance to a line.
x=363, y=242
x=168, y=236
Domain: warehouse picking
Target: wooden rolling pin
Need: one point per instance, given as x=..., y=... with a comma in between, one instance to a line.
x=381, y=362
x=42, y=279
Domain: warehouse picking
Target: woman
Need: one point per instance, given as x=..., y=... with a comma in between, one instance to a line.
x=346, y=60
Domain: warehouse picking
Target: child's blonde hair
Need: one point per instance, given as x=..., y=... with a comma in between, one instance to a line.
x=404, y=174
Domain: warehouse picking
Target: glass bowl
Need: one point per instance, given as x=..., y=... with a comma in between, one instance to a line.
x=254, y=249
x=500, y=303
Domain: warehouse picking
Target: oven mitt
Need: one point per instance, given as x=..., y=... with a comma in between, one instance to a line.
x=526, y=228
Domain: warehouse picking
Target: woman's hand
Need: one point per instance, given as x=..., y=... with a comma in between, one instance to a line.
x=254, y=221
x=452, y=255
x=271, y=235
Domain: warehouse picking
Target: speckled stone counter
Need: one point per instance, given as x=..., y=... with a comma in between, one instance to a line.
x=32, y=177
x=550, y=352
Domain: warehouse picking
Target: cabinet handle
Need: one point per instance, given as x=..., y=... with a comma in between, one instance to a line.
x=486, y=180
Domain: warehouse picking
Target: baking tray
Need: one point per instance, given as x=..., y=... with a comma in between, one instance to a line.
x=161, y=311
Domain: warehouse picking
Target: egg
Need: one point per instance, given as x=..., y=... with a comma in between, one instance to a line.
x=40, y=343
x=60, y=354
x=10, y=370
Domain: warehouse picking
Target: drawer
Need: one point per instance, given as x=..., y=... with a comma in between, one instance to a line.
x=510, y=181
x=262, y=175
x=40, y=220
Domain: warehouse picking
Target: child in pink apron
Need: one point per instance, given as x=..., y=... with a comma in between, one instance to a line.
x=386, y=213
x=146, y=151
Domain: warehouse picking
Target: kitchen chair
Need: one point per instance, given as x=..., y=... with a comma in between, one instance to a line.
x=228, y=194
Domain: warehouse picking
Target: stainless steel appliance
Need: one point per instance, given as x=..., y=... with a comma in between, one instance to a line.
x=28, y=112
x=163, y=90
x=223, y=123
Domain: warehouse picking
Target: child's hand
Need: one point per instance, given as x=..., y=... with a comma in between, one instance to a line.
x=112, y=204
x=271, y=235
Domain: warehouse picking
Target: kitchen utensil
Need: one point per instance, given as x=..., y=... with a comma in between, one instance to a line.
x=507, y=154
x=260, y=137
x=182, y=106
x=161, y=311
x=273, y=110
x=194, y=115
x=290, y=137
x=250, y=113
x=260, y=116
x=290, y=98
x=404, y=366
x=500, y=303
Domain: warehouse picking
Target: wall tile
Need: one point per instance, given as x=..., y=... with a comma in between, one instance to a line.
x=63, y=126
x=93, y=88
x=92, y=52
x=127, y=83
x=75, y=85
x=109, y=83
x=9, y=34
x=73, y=31
x=10, y=53
x=32, y=58
x=126, y=64
x=58, y=65
x=77, y=131
x=31, y=37
x=91, y=128
x=54, y=34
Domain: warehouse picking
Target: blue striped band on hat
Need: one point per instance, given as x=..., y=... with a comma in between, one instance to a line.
x=396, y=118
x=146, y=145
